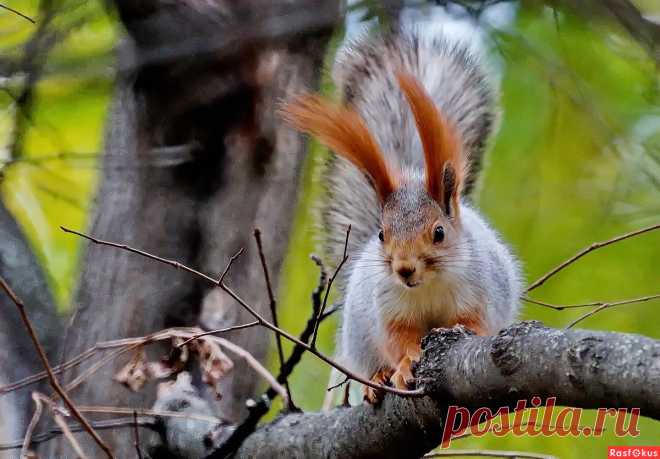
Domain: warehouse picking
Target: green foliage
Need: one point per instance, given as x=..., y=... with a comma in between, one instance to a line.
x=576, y=160
x=52, y=181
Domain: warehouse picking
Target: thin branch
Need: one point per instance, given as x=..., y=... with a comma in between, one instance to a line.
x=219, y=330
x=136, y=433
x=262, y=321
x=488, y=453
x=559, y=307
x=327, y=290
x=611, y=305
x=255, y=364
x=339, y=384
x=17, y=13
x=174, y=263
x=27, y=440
x=35, y=378
x=331, y=311
x=273, y=313
x=54, y=432
x=101, y=409
x=53, y=380
x=317, y=299
x=59, y=420
x=586, y=250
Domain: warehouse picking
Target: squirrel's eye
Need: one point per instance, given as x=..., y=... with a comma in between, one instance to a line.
x=381, y=236
x=438, y=234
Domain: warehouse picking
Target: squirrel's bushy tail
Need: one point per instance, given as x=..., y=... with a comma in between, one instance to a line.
x=365, y=73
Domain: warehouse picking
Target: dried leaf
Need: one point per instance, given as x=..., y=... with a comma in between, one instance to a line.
x=135, y=373
x=213, y=362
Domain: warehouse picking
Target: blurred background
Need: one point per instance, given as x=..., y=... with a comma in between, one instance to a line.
x=576, y=159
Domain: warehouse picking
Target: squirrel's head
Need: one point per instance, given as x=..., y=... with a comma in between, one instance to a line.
x=420, y=217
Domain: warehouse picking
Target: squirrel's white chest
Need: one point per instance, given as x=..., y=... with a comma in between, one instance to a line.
x=435, y=303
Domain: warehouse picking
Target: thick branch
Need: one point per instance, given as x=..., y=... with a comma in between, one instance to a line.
x=581, y=368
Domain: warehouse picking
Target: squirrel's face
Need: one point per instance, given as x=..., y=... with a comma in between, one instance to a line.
x=417, y=237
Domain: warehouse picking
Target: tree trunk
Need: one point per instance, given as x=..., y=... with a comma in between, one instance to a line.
x=18, y=359
x=195, y=159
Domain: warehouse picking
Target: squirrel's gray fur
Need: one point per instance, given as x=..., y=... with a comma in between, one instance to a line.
x=364, y=73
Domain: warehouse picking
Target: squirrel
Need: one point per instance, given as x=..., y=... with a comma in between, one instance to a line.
x=417, y=115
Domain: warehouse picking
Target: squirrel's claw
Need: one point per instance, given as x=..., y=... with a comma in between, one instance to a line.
x=403, y=377
x=375, y=396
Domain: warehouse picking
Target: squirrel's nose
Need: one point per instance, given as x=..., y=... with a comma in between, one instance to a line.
x=406, y=271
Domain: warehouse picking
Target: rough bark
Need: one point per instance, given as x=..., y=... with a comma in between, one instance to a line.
x=194, y=160
x=582, y=368
x=19, y=267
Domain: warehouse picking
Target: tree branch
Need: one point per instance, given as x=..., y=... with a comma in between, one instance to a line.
x=272, y=303
x=585, y=251
x=581, y=368
x=18, y=13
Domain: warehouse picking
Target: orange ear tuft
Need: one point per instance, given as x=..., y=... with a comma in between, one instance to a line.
x=445, y=165
x=343, y=131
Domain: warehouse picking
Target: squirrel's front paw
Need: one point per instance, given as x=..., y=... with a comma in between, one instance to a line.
x=403, y=377
x=374, y=396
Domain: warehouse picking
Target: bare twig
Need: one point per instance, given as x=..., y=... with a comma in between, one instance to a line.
x=489, y=453
x=611, y=305
x=255, y=364
x=262, y=321
x=331, y=311
x=219, y=330
x=339, y=384
x=27, y=440
x=559, y=307
x=327, y=290
x=53, y=380
x=59, y=420
x=174, y=263
x=54, y=432
x=17, y=13
x=317, y=299
x=273, y=313
x=32, y=379
x=146, y=412
x=136, y=433
x=586, y=250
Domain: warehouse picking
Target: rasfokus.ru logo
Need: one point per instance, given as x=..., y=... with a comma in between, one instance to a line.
x=563, y=422
x=633, y=451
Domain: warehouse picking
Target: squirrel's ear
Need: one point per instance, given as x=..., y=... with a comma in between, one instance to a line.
x=450, y=191
x=343, y=131
x=445, y=165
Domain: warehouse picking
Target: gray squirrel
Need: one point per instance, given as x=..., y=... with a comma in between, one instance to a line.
x=417, y=114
